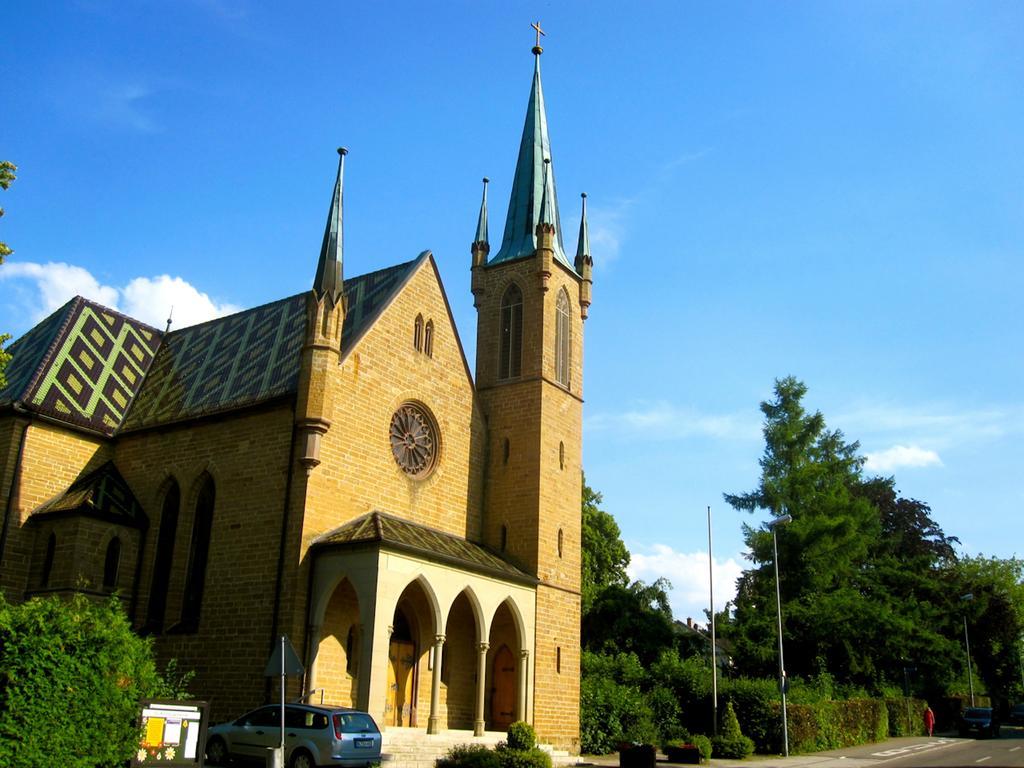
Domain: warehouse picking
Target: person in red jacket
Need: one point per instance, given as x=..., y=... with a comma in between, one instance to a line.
x=929, y=720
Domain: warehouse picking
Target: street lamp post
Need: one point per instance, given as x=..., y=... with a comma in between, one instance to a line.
x=967, y=643
x=781, y=520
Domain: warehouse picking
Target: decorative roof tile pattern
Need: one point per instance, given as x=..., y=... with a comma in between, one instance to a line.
x=102, y=493
x=29, y=353
x=249, y=357
x=238, y=360
x=394, y=532
x=91, y=370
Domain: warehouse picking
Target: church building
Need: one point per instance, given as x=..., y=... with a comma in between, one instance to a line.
x=327, y=467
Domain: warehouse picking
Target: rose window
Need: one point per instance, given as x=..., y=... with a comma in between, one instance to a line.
x=414, y=440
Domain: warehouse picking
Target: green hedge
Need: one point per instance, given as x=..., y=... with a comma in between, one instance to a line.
x=899, y=724
x=72, y=674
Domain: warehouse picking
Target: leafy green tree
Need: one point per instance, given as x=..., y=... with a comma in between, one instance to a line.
x=72, y=674
x=635, y=619
x=605, y=557
x=995, y=619
x=7, y=170
x=809, y=472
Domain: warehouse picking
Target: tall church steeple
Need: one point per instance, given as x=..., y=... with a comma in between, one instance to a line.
x=531, y=182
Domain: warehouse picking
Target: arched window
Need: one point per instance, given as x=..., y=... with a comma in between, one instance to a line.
x=428, y=339
x=511, y=333
x=558, y=659
x=164, y=557
x=417, y=333
x=561, y=537
x=504, y=537
x=563, y=338
x=111, y=563
x=199, y=553
x=352, y=651
x=506, y=451
x=561, y=454
x=51, y=549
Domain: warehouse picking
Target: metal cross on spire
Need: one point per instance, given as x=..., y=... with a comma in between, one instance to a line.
x=537, y=49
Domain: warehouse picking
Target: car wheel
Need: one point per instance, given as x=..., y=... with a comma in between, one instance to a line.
x=301, y=759
x=216, y=751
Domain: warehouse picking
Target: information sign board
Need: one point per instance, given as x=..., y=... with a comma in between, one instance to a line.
x=172, y=734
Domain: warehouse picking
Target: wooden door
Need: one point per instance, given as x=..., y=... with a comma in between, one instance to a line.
x=401, y=663
x=503, y=689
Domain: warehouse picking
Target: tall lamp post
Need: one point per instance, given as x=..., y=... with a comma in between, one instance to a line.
x=714, y=649
x=773, y=525
x=967, y=643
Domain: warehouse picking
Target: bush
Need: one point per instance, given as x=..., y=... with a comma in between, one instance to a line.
x=522, y=758
x=72, y=674
x=469, y=756
x=611, y=713
x=736, y=748
x=731, y=743
x=521, y=736
x=703, y=743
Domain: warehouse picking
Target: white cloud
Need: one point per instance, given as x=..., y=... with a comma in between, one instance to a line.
x=939, y=425
x=649, y=419
x=688, y=572
x=148, y=299
x=901, y=456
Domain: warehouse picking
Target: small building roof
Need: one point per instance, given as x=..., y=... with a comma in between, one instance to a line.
x=102, y=494
x=390, y=532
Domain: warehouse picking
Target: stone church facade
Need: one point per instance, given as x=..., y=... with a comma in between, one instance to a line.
x=327, y=467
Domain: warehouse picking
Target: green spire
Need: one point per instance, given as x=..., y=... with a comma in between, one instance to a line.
x=481, y=224
x=328, y=280
x=583, y=244
x=531, y=185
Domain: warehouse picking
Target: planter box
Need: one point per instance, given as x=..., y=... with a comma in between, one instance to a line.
x=637, y=756
x=687, y=754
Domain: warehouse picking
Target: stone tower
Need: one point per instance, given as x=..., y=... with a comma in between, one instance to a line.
x=531, y=303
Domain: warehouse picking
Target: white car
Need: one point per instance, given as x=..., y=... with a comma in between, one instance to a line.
x=314, y=736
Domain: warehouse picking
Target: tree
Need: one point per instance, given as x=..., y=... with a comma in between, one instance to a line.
x=809, y=472
x=635, y=619
x=72, y=674
x=605, y=557
x=7, y=170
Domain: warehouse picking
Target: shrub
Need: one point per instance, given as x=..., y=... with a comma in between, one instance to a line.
x=521, y=736
x=731, y=743
x=72, y=674
x=732, y=748
x=469, y=756
x=522, y=758
x=611, y=713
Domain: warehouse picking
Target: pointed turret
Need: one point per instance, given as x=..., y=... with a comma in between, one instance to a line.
x=584, y=263
x=481, y=247
x=546, y=229
x=328, y=280
x=321, y=349
x=531, y=184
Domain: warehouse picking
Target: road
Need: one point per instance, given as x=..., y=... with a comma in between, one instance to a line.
x=1004, y=752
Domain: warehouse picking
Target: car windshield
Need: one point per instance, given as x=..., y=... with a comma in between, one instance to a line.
x=978, y=712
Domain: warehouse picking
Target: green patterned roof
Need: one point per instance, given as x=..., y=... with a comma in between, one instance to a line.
x=87, y=363
x=103, y=494
x=249, y=357
x=395, y=533
x=93, y=367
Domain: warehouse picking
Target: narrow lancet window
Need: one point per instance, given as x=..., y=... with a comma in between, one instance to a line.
x=511, y=333
x=199, y=554
x=417, y=333
x=563, y=338
x=428, y=339
x=111, y=563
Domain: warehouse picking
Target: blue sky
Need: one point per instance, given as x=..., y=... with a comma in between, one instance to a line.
x=828, y=190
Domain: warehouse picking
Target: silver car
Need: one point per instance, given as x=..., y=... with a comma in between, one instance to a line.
x=313, y=736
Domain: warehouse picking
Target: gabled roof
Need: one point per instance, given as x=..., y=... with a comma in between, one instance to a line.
x=103, y=494
x=249, y=357
x=92, y=367
x=84, y=365
x=387, y=531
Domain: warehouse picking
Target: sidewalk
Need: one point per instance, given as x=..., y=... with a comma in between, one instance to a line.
x=851, y=757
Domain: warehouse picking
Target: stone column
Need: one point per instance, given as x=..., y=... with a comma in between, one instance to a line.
x=434, y=721
x=481, y=684
x=524, y=664
x=315, y=633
